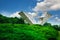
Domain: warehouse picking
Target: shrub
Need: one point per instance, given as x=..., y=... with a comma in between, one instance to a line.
x=26, y=32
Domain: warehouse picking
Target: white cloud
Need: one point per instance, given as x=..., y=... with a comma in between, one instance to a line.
x=55, y=7
x=15, y=14
x=47, y=5
x=33, y=14
x=57, y=19
x=5, y=13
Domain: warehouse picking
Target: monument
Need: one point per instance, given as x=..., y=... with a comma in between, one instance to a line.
x=44, y=18
x=27, y=17
x=30, y=19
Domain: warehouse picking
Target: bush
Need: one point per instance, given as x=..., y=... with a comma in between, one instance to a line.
x=26, y=32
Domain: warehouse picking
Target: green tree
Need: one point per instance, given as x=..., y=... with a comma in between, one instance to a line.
x=47, y=24
x=15, y=20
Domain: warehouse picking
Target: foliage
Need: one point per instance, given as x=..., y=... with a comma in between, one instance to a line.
x=56, y=27
x=15, y=20
x=47, y=24
x=58, y=36
x=16, y=29
x=26, y=32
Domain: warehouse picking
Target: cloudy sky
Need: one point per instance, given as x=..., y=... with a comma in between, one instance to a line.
x=13, y=7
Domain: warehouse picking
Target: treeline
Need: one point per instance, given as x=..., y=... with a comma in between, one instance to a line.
x=57, y=27
x=4, y=19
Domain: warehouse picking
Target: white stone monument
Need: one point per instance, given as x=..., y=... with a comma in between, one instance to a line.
x=30, y=19
x=45, y=16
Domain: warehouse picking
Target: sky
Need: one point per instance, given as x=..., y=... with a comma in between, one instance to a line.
x=13, y=7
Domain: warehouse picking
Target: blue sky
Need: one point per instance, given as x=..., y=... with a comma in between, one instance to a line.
x=16, y=5
x=8, y=7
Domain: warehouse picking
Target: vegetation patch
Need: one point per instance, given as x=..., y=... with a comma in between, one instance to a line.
x=26, y=32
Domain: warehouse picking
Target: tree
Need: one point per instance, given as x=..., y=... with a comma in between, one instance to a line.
x=47, y=24
x=56, y=27
x=15, y=20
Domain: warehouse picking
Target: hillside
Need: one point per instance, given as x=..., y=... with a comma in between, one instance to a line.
x=17, y=29
x=27, y=32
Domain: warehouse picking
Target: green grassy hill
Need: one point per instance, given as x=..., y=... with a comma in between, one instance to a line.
x=27, y=32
